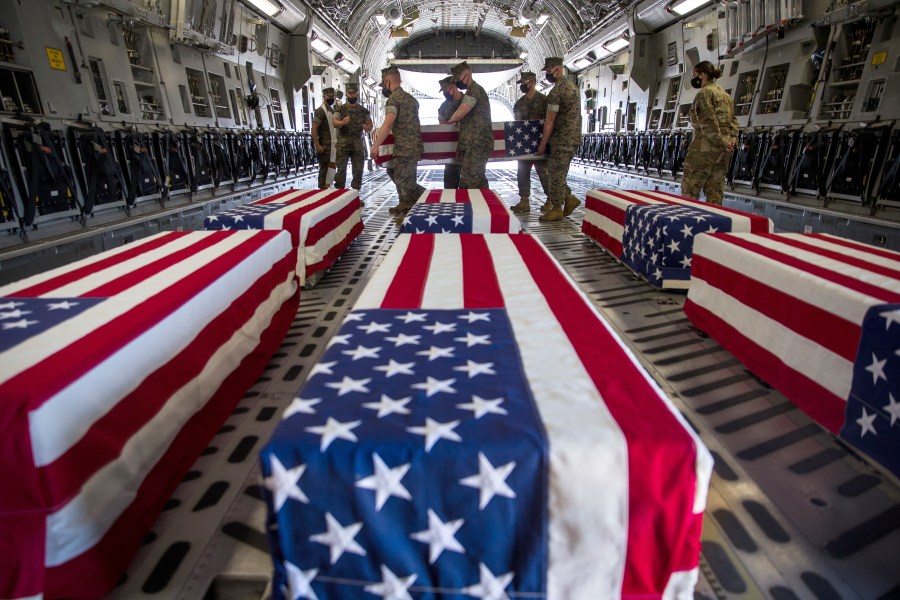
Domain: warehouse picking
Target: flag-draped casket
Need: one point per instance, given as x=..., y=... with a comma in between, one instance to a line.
x=653, y=232
x=115, y=372
x=477, y=429
x=513, y=140
x=322, y=223
x=814, y=315
x=460, y=211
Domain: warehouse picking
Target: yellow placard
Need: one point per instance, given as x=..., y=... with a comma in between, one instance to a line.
x=55, y=56
x=879, y=58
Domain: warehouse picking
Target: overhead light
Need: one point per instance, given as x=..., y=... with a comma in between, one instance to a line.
x=585, y=61
x=381, y=19
x=369, y=81
x=619, y=43
x=347, y=64
x=523, y=55
x=542, y=18
x=523, y=20
x=602, y=52
x=390, y=55
x=683, y=7
x=318, y=44
x=268, y=7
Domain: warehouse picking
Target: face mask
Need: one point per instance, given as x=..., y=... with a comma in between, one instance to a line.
x=551, y=78
x=329, y=101
x=448, y=95
x=524, y=88
x=460, y=85
x=696, y=83
x=386, y=92
x=352, y=100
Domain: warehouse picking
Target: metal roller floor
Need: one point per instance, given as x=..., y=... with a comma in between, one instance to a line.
x=791, y=514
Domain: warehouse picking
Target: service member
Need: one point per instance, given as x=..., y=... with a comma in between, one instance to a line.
x=452, y=100
x=323, y=136
x=338, y=98
x=476, y=135
x=402, y=119
x=530, y=107
x=562, y=130
x=350, y=121
x=715, y=136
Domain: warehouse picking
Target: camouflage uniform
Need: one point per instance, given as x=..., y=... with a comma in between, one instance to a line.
x=707, y=160
x=531, y=109
x=350, y=144
x=322, y=118
x=407, y=145
x=451, y=172
x=476, y=135
x=565, y=101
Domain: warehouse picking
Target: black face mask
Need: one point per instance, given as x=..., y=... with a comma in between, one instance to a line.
x=460, y=85
x=524, y=88
x=352, y=100
x=550, y=78
x=386, y=92
x=329, y=101
x=696, y=83
x=448, y=95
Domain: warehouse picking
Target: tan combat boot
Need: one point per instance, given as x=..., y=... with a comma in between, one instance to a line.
x=554, y=214
x=546, y=206
x=400, y=209
x=523, y=206
x=571, y=204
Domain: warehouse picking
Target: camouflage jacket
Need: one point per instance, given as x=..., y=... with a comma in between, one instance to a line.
x=565, y=101
x=447, y=108
x=531, y=109
x=322, y=118
x=406, y=129
x=475, y=130
x=712, y=117
x=353, y=130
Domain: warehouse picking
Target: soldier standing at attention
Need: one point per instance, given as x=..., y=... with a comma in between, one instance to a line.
x=715, y=136
x=452, y=100
x=323, y=136
x=476, y=134
x=562, y=130
x=530, y=107
x=351, y=120
x=401, y=116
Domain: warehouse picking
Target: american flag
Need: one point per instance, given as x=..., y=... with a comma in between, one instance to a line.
x=322, y=223
x=606, y=212
x=657, y=240
x=512, y=140
x=791, y=307
x=115, y=371
x=872, y=421
x=477, y=429
x=460, y=211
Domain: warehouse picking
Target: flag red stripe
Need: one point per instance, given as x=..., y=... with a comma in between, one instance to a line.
x=662, y=474
x=839, y=257
x=603, y=238
x=95, y=572
x=141, y=274
x=332, y=255
x=277, y=198
x=480, y=286
x=624, y=197
x=804, y=318
x=847, y=281
x=88, y=351
x=104, y=441
x=500, y=215
x=462, y=196
x=331, y=222
x=857, y=246
x=408, y=285
x=68, y=277
x=291, y=221
x=332, y=194
x=434, y=196
x=813, y=399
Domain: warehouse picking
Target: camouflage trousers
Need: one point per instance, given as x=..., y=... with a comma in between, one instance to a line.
x=705, y=171
x=524, y=176
x=473, y=163
x=557, y=172
x=404, y=176
x=355, y=151
x=323, y=169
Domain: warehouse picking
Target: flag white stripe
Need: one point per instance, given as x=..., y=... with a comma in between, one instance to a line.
x=445, y=291
x=373, y=294
x=858, y=253
x=41, y=346
x=830, y=370
x=84, y=520
x=481, y=214
x=581, y=432
x=604, y=223
x=95, y=393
